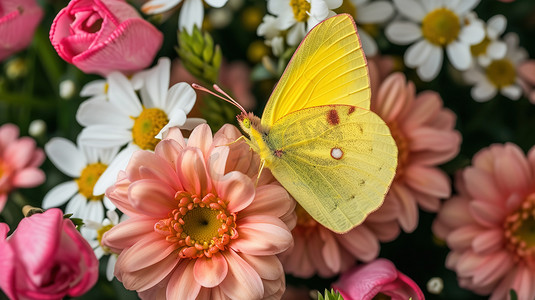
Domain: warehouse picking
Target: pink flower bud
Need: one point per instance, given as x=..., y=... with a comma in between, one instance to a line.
x=101, y=36
x=18, y=20
x=45, y=258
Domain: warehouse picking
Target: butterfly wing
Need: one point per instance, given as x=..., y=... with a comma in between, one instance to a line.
x=337, y=161
x=328, y=67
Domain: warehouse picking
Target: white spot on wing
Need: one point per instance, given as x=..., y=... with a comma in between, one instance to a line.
x=337, y=153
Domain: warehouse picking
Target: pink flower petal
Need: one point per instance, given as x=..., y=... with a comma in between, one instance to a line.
x=494, y=268
x=425, y=108
x=512, y=170
x=262, y=235
x=8, y=134
x=201, y=137
x=236, y=188
x=330, y=249
x=193, y=173
x=462, y=237
x=147, y=165
x=481, y=185
x=523, y=283
x=217, y=162
x=391, y=98
x=526, y=70
x=28, y=177
x=242, y=281
x=488, y=241
x=430, y=181
x=268, y=267
x=408, y=216
x=487, y=214
x=430, y=139
x=182, y=284
x=272, y=200
x=128, y=232
x=20, y=152
x=147, y=251
x=7, y=264
x=210, y=272
x=152, y=197
x=361, y=242
x=169, y=150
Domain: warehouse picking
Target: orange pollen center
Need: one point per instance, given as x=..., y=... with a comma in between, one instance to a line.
x=200, y=227
x=519, y=231
x=403, y=148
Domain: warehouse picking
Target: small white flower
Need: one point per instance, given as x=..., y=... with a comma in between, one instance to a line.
x=499, y=74
x=93, y=232
x=37, y=128
x=491, y=47
x=67, y=89
x=191, y=12
x=85, y=165
x=124, y=119
x=435, y=285
x=367, y=12
x=299, y=16
x=269, y=29
x=433, y=26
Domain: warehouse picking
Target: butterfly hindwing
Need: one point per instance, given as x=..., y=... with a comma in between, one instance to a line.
x=329, y=67
x=336, y=160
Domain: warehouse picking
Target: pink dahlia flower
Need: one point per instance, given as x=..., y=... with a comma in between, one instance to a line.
x=18, y=20
x=102, y=36
x=526, y=74
x=45, y=258
x=424, y=133
x=377, y=280
x=197, y=225
x=19, y=160
x=489, y=225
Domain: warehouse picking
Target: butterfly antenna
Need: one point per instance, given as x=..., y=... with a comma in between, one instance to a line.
x=217, y=88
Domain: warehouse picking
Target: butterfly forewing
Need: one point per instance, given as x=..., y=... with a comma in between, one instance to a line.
x=329, y=67
x=337, y=161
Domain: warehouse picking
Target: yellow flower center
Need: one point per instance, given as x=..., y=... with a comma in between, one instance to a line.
x=100, y=233
x=501, y=73
x=146, y=126
x=89, y=176
x=201, y=227
x=481, y=48
x=300, y=9
x=441, y=26
x=520, y=232
x=403, y=148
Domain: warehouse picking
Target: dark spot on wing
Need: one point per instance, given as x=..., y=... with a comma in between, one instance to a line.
x=332, y=117
x=351, y=110
x=278, y=152
x=361, y=130
x=362, y=182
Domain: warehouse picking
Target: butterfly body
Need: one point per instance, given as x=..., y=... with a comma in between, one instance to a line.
x=317, y=134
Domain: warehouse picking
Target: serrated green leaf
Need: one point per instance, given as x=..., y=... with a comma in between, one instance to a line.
x=218, y=57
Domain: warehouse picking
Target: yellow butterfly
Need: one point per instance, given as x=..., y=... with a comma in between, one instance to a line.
x=317, y=134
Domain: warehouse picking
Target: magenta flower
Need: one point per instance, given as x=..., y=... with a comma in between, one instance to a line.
x=378, y=278
x=18, y=20
x=19, y=159
x=101, y=36
x=45, y=258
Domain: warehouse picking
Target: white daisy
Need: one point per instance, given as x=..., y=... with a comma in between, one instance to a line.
x=499, y=74
x=491, y=47
x=85, y=165
x=299, y=16
x=368, y=14
x=94, y=238
x=432, y=26
x=191, y=13
x=269, y=29
x=124, y=119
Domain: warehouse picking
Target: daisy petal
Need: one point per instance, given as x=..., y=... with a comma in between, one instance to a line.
x=483, y=91
x=497, y=49
x=417, y=54
x=430, y=68
x=58, y=195
x=122, y=95
x=180, y=96
x=100, y=111
x=512, y=92
x=410, y=9
x=459, y=55
x=375, y=12
x=402, y=32
x=159, y=6
x=472, y=34
x=191, y=13
x=216, y=3
x=76, y=206
x=66, y=156
x=496, y=26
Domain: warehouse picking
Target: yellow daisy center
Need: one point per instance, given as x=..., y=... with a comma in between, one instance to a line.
x=300, y=9
x=89, y=176
x=201, y=227
x=481, y=48
x=520, y=232
x=501, y=73
x=403, y=148
x=147, y=125
x=100, y=233
x=441, y=26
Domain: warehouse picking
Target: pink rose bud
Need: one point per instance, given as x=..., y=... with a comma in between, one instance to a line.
x=101, y=36
x=378, y=277
x=18, y=20
x=45, y=258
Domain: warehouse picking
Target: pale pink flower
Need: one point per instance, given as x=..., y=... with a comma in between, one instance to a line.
x=424, y=133
x=18, y=20
x=102, y=36
x=45, y=258
x=376, y=279
x=526, y=74
x=197, y=226
x=19, y=159
x=489, y=225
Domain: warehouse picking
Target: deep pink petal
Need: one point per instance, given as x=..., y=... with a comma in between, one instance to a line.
x=20, y=152
x=210, y=272
x=7, y=264
x=8, y=133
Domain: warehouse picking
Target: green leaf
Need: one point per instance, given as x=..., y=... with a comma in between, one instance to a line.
x=513, y=295
x=330, y=295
